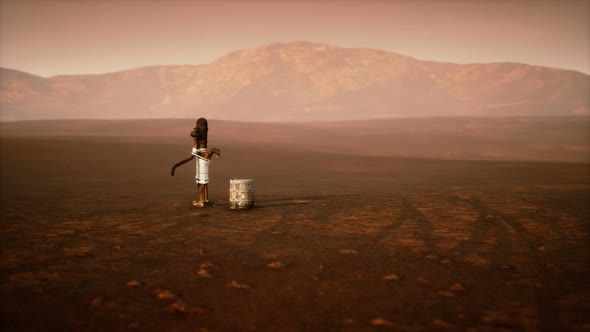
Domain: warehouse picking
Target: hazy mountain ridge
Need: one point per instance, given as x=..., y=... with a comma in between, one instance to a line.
x=300, y=81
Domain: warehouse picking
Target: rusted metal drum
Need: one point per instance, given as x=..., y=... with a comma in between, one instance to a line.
x=241, y=194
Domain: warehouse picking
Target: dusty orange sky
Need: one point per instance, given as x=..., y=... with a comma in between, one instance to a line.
x=85, y=37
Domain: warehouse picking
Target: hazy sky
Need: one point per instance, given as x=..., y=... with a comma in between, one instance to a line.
x=53, y=37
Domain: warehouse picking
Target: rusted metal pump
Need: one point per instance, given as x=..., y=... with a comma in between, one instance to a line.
x=204, y=155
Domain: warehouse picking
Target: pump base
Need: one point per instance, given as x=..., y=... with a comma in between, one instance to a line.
x=202, y=204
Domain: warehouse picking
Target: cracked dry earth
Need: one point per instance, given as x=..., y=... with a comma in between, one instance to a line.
x=96, y=236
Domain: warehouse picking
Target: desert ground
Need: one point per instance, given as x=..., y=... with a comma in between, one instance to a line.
x=451, y=225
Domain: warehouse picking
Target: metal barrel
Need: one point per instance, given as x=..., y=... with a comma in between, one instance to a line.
x=241, y=193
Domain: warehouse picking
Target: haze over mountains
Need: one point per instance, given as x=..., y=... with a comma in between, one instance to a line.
x=300, y=82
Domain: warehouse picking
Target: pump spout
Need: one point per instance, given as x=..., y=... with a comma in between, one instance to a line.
x=180, y=163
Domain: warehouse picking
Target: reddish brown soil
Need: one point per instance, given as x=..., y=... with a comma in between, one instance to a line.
x=97, y=236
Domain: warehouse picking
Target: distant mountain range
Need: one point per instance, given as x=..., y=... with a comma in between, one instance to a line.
x=300, y=82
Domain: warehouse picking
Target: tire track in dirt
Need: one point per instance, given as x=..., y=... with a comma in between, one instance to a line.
x=410, y=214
x=548, y=311
x=547, y=214
x=282, y=226
x=501, y=223
x=487, y=233
x=482, y=232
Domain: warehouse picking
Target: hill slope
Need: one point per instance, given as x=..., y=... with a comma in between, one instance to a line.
x=300, y=81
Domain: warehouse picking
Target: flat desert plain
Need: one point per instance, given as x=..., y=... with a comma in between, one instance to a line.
x=403, y=225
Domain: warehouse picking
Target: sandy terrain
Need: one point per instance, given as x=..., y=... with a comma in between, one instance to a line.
x=97, y=236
